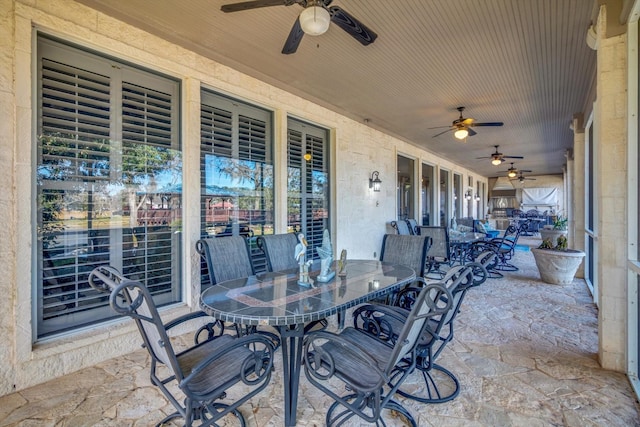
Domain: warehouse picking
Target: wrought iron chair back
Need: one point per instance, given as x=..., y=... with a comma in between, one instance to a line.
x=203, y=372
x=279, y=250
x=443, y=386
x=347, y=355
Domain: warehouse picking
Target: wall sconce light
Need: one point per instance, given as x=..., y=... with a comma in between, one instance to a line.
x=374, y=181
x=476, y=198
x=468, y=195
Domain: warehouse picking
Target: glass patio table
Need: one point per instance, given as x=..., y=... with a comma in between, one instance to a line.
x=277, y=299
x=460, y=243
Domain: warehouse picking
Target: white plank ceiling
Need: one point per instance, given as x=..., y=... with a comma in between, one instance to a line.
x=522, y=62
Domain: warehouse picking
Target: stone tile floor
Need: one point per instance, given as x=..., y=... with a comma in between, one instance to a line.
x=525, y=353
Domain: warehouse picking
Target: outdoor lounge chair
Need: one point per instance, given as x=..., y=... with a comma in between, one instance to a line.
x=368, y=366
x=203, y=372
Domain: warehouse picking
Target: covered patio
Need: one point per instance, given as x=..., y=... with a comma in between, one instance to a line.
x=525, y=353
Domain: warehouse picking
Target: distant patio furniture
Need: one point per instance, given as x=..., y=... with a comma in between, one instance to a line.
x=203, y=372
x=368, y=367
x=413, y=226
x=401, y=227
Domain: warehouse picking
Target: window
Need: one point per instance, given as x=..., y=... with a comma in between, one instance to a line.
x=457, y=196
x=108, y=183
x=444, y=197
x=428, y=188
x=405, y=188
x=236, y=167
x=307, y=182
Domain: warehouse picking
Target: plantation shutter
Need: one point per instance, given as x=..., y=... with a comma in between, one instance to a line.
x=308, y=187
x=96, y=120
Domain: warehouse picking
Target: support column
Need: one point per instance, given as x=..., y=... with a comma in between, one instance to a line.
x=577, y=186
x=611, y=180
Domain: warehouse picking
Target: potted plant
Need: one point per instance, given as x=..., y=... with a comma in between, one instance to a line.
x=557, y=264
x=552, y=232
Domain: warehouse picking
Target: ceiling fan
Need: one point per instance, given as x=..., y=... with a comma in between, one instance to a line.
x=497, y=158
x=461, y=126
x=512, y=172
x=523, y=178
x=313, y=20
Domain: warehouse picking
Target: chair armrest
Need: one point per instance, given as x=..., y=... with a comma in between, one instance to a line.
x=185, y=318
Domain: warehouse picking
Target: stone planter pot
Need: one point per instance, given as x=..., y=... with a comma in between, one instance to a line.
x=557, y=267
x=552, y=234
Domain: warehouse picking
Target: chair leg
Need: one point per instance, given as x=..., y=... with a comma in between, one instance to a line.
x=439, y=385
x=364, y=406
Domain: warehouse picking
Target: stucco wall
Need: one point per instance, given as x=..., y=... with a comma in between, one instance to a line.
x=359, y=214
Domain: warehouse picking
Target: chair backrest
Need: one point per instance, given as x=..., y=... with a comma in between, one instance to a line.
x=279, y=250
x=413, y=226
x=227, y=257
x=406, y=250
x=401, y=227
x=433, y=300
x=131, y=298
x=439, y=241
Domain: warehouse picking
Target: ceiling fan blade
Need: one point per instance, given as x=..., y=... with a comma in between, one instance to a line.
x=246, y=5
x=525, y=171
x=351, y=25
x=294, y=39
x=512, y=157
x=471, y=132
x=444, y=131
x=439, y=127
x=488, y=124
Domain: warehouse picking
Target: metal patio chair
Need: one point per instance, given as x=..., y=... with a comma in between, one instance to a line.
x=203, y=372
x=413, y=226
x=228, y=258
x=279, y=251
x=368, y=366
x=440, y=252
x=437, y=384
x=401, y=227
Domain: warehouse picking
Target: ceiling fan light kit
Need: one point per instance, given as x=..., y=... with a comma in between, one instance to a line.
x=461, y=126
x=496, y=161
x=315, y=20
x=461, y=133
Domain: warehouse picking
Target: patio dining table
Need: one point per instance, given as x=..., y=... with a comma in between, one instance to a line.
x=277, y=299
